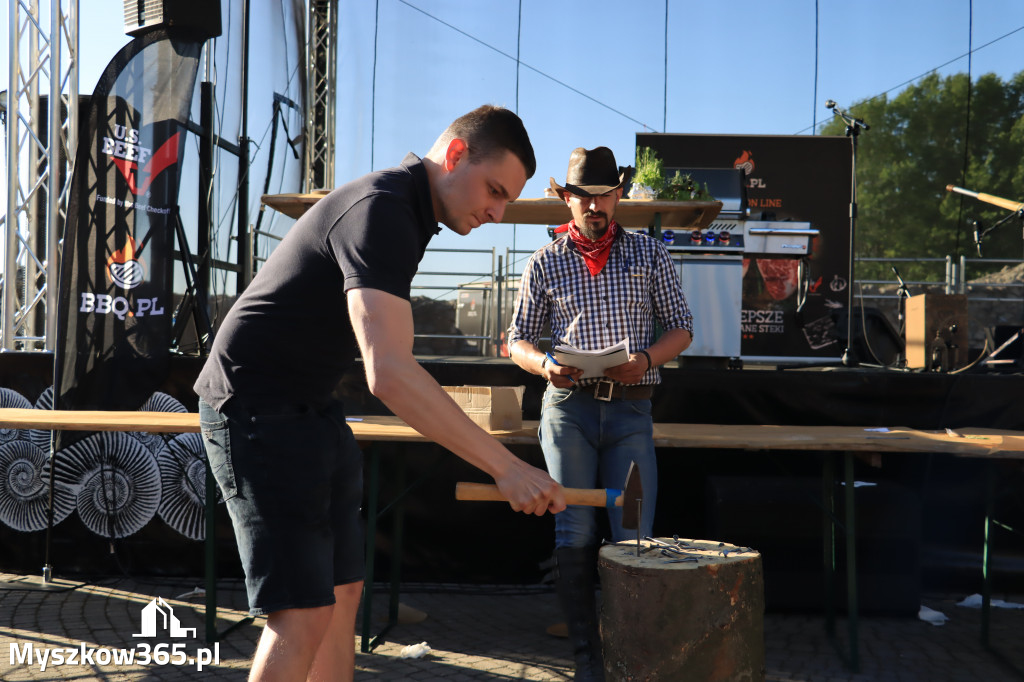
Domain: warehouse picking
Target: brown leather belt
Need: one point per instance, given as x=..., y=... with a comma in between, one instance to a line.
x=608, y=390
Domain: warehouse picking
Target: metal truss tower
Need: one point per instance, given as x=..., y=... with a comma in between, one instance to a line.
x=43, y=68
x=320, y=99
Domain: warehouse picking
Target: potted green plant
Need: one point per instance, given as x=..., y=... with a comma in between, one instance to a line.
x=682, y=187
x=649, y=178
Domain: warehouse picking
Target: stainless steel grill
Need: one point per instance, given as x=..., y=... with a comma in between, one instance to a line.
x=759, y=238
x=711, y=269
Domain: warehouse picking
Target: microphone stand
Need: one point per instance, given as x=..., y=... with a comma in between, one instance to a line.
x=1019, y=213
x=853, y=128
x=902, y=294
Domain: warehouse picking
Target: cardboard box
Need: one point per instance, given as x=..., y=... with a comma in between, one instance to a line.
x=495, y=408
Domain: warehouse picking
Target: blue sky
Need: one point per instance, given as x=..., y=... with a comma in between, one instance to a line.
x=593, y=72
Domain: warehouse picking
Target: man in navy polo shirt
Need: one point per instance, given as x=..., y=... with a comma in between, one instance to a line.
x=284, y=458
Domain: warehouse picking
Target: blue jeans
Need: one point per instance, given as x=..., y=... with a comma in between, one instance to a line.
x=589, y=443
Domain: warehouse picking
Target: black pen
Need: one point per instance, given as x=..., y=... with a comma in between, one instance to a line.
x=556, y=362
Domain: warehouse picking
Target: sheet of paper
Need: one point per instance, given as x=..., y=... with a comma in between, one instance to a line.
x=593, y=362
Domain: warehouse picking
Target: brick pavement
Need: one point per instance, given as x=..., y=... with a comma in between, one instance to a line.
x=475, y=633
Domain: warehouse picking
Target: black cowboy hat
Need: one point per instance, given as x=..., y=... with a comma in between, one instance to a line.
x=591, y=172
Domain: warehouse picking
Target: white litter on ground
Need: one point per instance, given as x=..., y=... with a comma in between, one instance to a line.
x=415, y=650
x=932, y=616
x=974, y=602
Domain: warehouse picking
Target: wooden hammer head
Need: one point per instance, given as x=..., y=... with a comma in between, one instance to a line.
x=632, y=498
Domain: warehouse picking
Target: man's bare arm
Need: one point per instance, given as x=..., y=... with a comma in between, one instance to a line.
x=383, y=325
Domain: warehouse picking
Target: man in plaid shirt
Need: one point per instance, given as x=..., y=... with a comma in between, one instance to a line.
x=595, y=286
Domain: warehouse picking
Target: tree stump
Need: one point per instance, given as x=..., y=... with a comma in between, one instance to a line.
x=695, y=612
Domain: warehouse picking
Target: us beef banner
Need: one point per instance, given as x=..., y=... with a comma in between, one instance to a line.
x=800, y=178
x=114, y=309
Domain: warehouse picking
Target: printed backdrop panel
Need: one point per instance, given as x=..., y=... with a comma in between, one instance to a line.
x=801, y=178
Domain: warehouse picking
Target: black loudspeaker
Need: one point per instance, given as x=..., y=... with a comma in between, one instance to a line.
x=195, y=18
x=875, y=340
x=782, y=519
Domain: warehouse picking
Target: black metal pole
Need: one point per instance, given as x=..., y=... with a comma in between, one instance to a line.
x=848, y=360
x=204, y=222
x=47, y=566
x=244, y=255
x=853, y=128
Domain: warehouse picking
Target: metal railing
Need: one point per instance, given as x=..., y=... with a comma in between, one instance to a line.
x=499, y=287
x=954, y=281
x=494, y=291
x=966, y=287
x=472, y=295
x=993, y=308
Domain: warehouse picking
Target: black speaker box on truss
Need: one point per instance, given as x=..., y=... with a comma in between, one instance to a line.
x=197, y=18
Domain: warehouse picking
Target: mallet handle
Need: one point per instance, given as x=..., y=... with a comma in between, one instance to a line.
x=1008, y=204
x=590, y=497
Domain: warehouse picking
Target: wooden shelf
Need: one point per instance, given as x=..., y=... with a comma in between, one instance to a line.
x=630, y=213
x=292, y=205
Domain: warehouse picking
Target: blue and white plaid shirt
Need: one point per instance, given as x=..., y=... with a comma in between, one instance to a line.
x=638, y=285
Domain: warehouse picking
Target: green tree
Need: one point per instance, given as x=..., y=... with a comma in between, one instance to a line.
x=914, y=148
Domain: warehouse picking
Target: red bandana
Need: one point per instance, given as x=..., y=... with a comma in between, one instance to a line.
x=595, y=252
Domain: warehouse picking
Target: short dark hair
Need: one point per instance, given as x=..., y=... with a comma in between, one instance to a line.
x=489, y=130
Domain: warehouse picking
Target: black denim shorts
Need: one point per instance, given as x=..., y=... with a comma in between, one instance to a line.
x=292, y=479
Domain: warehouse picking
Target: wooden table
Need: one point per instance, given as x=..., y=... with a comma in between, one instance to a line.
x=978, y=443
x=973, y=442
x=852, y=441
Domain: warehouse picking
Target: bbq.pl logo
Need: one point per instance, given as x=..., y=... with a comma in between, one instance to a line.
x=157, y=619
x=745, y=162
x=125, y=267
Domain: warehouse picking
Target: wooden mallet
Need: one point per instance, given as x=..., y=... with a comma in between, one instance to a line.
x=630, y=498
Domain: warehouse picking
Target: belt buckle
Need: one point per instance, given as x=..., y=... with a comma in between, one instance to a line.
x=603, y=390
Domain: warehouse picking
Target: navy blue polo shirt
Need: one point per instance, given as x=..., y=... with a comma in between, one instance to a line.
x=288, y=338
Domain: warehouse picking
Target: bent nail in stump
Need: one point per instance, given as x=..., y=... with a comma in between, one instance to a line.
x=682, y=610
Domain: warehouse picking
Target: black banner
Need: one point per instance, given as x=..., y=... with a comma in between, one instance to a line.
x=803, y=178
x=114, y=310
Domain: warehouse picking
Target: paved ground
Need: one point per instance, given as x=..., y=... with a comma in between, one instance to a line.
x=475, y=633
